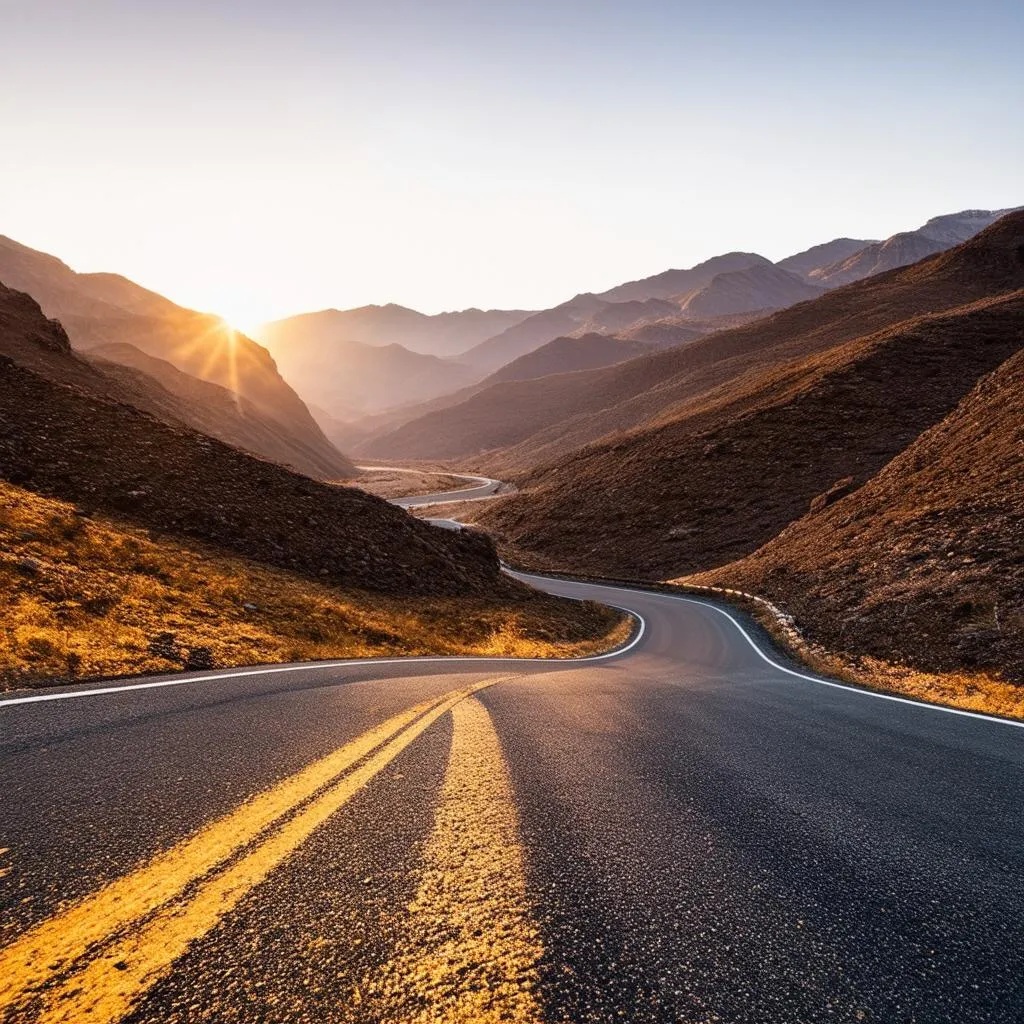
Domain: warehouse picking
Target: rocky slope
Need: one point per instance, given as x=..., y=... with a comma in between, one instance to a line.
x=104, y=309
x=924, y=564
x=716, y=482
x=65, y=439
x=94, y=597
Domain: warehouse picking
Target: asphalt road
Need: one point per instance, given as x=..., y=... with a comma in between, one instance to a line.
x=680, y=832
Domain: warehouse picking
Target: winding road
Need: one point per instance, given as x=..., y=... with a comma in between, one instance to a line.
x=689, y=829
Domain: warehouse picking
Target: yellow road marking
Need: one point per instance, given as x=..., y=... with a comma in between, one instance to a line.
x=107, y=985
x=471, y=949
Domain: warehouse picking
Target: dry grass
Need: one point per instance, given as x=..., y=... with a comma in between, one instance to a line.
x=88, y=598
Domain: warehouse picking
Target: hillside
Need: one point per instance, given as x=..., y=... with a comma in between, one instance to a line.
x=85, y=597
x=923, y=565
x=723, y=478
x=103, y=309
x=757, y=288
x=673, y=283
x=515, y=425
x=900, y=250
x=349, y=379
x=208, y=408
x=536, y=330
x=804, y=263
x=563, y=355
x=442, y=334
x=66, y=440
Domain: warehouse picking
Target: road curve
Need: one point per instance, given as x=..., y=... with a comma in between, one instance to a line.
x=689, y=829
x=483, y=487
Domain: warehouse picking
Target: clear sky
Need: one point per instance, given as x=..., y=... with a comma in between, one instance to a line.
x=258, y=158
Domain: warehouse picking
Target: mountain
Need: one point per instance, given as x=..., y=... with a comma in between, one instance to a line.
x=722, y=477
x=726, y=454
x=939, y=234
x=515, y=425
x=348, y=378
x=922, y=565
x=761, y=287
x=68, y=441
x=673, y=283
x=103, y=309
x=564, y=355
x=531, y=333
x=211, y=409
x=443, y=334
x=818, y=256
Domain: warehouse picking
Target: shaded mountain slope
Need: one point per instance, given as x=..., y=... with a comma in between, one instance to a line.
x=672, y=283
x=514, y=425
x=563, y=355
x=818, y=256
x=924, y=564
x=64, y=441
x=747, y=291
x=718, y=481
x=537, y=330
x=208, y=408
x=99, y=309
x=906, y=247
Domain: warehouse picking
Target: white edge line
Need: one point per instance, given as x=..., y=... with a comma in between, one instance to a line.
x=39, y=698
x=863, y=691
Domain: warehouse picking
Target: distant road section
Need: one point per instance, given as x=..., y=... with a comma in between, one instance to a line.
x=483, y=487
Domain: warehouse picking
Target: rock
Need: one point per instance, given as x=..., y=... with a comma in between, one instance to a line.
x=838, y=490
x=165, y=645
x=199, y=658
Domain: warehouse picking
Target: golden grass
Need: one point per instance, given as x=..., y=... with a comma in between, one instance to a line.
x=93, y=598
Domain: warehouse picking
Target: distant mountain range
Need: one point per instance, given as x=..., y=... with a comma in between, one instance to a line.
x=939, y=234
x=131, y=323
x=442, y=335
x=351, y=379
x=672, y=307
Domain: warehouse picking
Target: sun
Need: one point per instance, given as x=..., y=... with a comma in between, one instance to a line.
x=242, y=324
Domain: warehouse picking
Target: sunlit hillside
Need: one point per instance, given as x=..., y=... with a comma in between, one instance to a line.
x=85, y=598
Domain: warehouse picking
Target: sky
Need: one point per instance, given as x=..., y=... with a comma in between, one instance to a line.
x=259, y=159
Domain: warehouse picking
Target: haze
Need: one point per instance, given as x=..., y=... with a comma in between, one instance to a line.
x=262, y=159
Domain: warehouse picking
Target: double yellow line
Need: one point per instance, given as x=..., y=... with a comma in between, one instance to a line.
x=95, y=960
